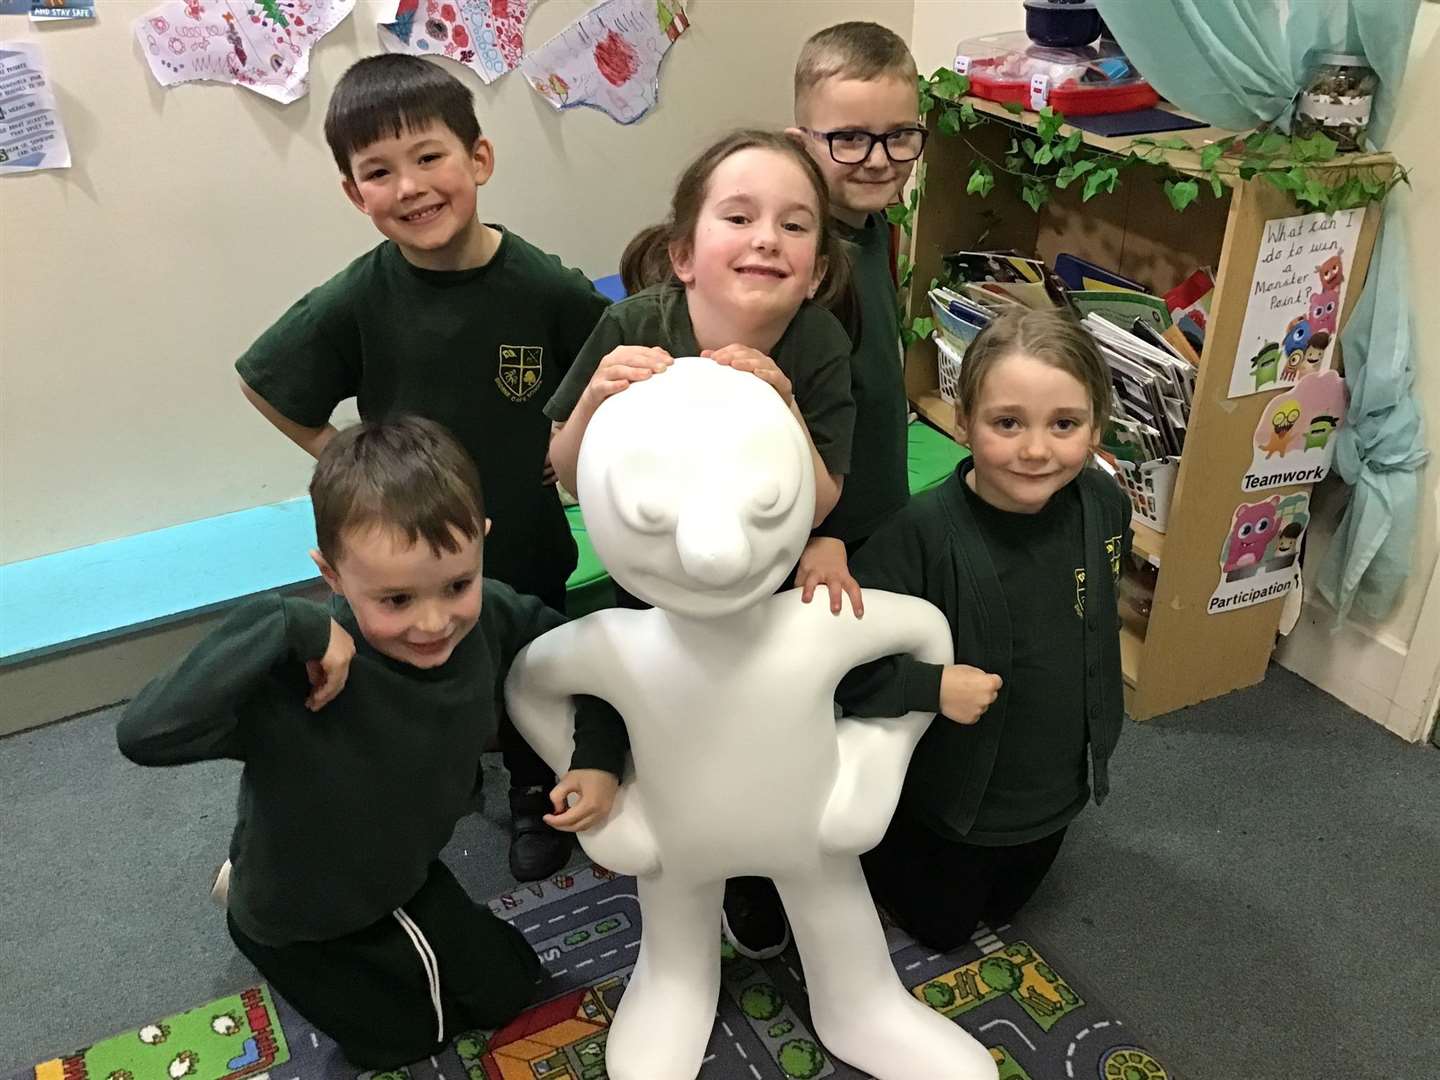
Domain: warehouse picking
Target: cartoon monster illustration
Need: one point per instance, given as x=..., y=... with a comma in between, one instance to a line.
x=1315, y=353
x=1297, y=335
x=1323, y=308
x=1283, y=421
x=1286, y=543
x=1250, y=535
x=1332, y=273
x=154, y=1034
x=1319, y=432
x=1265, y=364
x=1293, y=362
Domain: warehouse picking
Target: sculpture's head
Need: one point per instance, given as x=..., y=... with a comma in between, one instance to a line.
x=697, y=488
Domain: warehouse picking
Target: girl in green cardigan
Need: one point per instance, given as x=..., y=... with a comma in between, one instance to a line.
x=1021, y=548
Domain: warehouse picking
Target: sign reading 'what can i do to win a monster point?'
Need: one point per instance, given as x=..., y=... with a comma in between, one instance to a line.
x=1296, y=294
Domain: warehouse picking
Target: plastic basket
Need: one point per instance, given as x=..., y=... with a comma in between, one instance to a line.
x=1150, y=484
x=948, y=360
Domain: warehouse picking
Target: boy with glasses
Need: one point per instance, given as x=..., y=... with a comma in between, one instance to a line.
x=857, y=110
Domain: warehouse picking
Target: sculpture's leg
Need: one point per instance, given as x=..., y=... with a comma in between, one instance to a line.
x=862, y=1013
x=668, y=1011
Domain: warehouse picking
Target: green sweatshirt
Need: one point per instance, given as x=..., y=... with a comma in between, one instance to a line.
x=939, y=548
x=342, y=811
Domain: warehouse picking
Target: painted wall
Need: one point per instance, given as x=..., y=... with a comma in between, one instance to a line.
x=194, y=216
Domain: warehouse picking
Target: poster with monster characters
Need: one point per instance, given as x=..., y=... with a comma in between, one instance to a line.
x=1257, y=559
x=1294, y=441
x=1298, y=289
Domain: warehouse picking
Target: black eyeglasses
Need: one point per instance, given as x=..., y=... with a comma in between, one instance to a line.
x=849, y=147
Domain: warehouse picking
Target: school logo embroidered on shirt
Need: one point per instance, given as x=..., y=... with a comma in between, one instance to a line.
x=1112, y=552
x=521, y=371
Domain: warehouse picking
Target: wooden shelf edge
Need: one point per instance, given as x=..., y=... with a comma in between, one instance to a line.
x=1132, y=647
x=937, y=411
x=1147, y=543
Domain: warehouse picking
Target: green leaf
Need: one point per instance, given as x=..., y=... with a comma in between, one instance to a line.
x=1049, y=125
x=950, y=122
x=948, y=83
x=1070, y=173
x=1211, y=154
x=1181, y=193
x=1273, y=145
x=1100, y=178
x=1318, y=147
x=1014, y=107
x=914, y=201
x=897, y=214
x=903, y=266
x=1217, y=186
x=968, y=116
x=922, y=174
x=1248, y=170
x=982, y=181
x=1030, y=146
x=926, y=103
x=1073, y=140
x=923, y=327
x=1044, y=155
x=1294, y=180
x=1034, y=195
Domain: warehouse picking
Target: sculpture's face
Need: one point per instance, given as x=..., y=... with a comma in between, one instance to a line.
x=697, y=488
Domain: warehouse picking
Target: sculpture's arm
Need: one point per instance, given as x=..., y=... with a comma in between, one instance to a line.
x=540, y=692
x=874, y=753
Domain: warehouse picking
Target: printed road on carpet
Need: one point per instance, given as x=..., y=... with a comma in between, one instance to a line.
x=1036, y=1019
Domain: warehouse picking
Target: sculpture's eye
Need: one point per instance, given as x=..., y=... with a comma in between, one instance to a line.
x=645, y=493
x=771, y=499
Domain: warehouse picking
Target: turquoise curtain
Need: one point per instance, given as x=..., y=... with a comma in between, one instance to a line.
x=1241, y=63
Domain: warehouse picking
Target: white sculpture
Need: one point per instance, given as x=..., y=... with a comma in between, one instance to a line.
x=698, y=494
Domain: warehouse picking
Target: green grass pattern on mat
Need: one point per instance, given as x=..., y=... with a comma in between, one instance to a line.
x=230, y=1037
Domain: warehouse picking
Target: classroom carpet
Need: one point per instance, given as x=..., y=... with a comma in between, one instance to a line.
x=1006, y=989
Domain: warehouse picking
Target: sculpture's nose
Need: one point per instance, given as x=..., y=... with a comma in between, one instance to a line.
x=712, y=544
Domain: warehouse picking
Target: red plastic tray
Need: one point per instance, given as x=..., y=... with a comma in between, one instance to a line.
x=1067, y=98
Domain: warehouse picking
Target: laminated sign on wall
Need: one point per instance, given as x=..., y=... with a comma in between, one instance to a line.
x=1257, y=560
x=31, y=136
x=1294, y=441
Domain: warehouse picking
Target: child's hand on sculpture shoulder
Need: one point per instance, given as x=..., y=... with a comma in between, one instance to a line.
x=823, y=565
x=595, y=789
x=328, y=674
x=966, y=692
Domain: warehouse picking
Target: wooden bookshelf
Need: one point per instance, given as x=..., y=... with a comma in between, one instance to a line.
x=1183, y=655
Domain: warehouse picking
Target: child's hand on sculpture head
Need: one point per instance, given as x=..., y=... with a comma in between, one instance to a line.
x=328, y=674
x=823, y=563
x=966, y=692
x=595, y=789
x=623, y=365
x=744, y=358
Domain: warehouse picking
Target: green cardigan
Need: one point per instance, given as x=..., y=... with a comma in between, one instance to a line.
x=934, y=549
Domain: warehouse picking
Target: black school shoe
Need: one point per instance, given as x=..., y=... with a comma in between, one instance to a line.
x=536, y=850
x=753, y=918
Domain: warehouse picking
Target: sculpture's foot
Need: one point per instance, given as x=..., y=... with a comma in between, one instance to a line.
x=892, y=1036
x=667, y=1013
x=861, y=1012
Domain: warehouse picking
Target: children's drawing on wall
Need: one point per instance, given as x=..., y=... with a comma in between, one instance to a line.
x=488, y=36
x=263, y=45
x=1258, y=557
x=609, y=59
x=1295, y=298
x=1293, y=441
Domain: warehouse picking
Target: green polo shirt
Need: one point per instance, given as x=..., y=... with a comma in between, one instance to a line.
x=478, y=351
x=877, y=486
x=814, y=352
